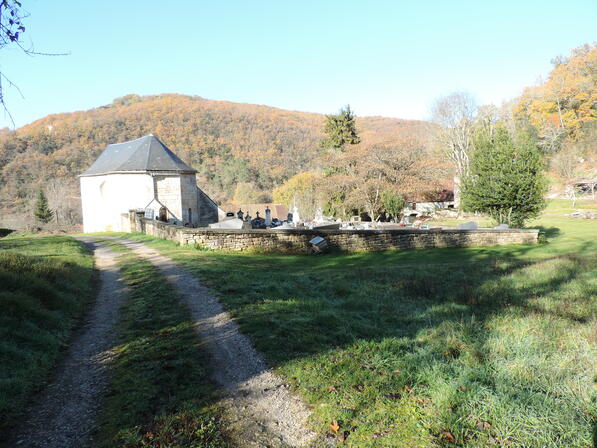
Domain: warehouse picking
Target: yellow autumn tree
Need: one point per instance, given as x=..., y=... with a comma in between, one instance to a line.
x=300, y=190
x=561, y=106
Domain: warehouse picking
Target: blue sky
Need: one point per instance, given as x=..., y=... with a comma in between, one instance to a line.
x=389, y=58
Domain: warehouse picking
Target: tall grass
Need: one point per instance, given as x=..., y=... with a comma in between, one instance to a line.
x=45, y=285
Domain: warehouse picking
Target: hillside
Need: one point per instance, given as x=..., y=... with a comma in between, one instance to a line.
x=226, y=142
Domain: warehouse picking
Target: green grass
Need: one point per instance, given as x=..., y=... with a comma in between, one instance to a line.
x=46, y=284
x=468, y=347
x=561, y=206
x=555, y=207
x=160, y=391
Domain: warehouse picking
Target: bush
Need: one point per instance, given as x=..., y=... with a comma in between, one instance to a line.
x=505, y=179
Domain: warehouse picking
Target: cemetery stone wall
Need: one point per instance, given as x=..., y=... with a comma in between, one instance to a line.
x=296, y=241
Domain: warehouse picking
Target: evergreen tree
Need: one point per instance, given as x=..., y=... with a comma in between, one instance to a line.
x=42, y=212
x=505, y=179
x=340, y=130
x=393, y=204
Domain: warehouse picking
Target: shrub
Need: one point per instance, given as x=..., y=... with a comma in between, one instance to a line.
x=505, y=179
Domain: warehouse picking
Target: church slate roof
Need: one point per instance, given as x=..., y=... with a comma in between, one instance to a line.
x=144, y=154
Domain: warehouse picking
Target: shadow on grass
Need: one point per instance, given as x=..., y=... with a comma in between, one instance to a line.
x=46, y=285
x=160, y=393
x=480, y=335
x=548, y=232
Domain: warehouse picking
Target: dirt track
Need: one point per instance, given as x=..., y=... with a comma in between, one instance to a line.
x=64, y=415
x=260, y=410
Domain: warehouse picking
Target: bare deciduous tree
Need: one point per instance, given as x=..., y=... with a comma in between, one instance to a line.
x=566, y=163
x=12, y=28
x=455, y=114
x=364, y=174
x=551, y=137
x=64, y=201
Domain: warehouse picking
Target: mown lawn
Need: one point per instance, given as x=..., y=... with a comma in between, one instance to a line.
x=561, y=206
x=555, y=208
x=466, y=347
x=46, y=284
x=159, y=389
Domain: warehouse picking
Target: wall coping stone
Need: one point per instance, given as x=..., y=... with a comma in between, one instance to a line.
x=194, y=230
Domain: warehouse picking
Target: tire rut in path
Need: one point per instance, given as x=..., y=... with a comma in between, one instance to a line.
x=259, y=409
x=64, y=415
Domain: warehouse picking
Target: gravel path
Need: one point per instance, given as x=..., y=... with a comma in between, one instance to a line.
x=260, y=411
x=64, y=415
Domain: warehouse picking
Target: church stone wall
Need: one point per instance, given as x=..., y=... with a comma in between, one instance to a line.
x=188, y=193
x=106, y=197
x=297, y=241
x=167, y=190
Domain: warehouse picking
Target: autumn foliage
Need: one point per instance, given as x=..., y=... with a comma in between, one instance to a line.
x=563, y=107
x=229, y=144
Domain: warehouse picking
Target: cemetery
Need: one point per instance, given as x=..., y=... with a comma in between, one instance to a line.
x=297, y=240
x=347, y=225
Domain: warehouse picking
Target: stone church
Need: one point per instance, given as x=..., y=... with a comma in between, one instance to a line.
x=142, y=174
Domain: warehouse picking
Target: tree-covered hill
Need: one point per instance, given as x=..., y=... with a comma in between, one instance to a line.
x=228, y=143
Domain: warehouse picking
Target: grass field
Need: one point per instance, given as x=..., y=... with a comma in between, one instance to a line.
x=561, y=206
x=46, y=284
x=555, y=208
x=470, y=347
x=159, y=391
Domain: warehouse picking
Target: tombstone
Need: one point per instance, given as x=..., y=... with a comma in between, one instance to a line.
x=502, y=227
x=268, y=217
x=228, y=224
x=319, y=215
x=258, y=223
x=471, y=225
x=296, y=218
x=240, y=214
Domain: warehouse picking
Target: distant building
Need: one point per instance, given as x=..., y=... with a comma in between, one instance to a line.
x=142, y=174
x=428, y=203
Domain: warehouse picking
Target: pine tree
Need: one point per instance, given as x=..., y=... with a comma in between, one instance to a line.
x=42, y=212
x=505, y=179
x=340, y=130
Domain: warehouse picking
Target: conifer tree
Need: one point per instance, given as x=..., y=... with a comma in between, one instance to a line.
x=340, y=130
x=42, y=212
x=505, y=179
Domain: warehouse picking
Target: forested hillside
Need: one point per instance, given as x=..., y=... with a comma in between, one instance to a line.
x=228, y=143
x=563, y=112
